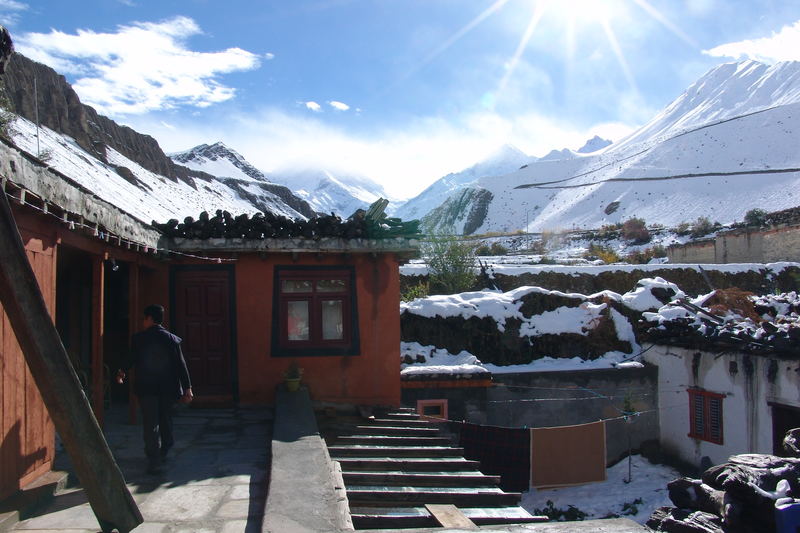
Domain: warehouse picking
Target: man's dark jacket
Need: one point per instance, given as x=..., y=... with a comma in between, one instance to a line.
x=159, y=363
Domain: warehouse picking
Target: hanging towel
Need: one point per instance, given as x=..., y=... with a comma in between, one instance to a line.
x=501, y=451
x=568, y=455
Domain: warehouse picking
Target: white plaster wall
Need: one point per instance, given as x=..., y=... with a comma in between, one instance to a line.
x=747, y=416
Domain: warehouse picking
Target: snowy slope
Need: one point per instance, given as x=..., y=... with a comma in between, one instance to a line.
x=328, y=192
x=725, y=146
x=506, y=159
x=141, y=193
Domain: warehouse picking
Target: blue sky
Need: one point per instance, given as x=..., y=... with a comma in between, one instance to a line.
x=403, y=91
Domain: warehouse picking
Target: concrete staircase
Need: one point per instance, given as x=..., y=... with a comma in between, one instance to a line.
x=397, y=463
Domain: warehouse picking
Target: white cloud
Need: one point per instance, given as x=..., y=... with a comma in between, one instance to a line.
x=313, y=106
x=339, y=106
x=269, y=56
x=404, y=159
x=9, y=11
x=141, y=67
x=781, y=46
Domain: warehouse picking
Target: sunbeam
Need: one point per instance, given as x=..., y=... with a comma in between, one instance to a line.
x=623, y=63
x=658, y=16
x=539, y=9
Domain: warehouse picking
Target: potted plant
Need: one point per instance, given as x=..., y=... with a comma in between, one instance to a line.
x=292, y=377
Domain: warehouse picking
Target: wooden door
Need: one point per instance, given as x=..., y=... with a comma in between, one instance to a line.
x=203, y=320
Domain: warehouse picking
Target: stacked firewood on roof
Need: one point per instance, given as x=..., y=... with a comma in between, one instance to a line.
x=738, y=496
x=370, y=224
x=730, y=319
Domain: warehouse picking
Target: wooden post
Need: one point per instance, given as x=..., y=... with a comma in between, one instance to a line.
x=98, y=333
x=52, y=371
x=134, y=323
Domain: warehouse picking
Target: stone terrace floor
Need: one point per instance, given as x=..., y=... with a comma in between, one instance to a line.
x=214, y=480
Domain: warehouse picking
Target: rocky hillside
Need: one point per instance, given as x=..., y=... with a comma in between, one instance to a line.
x=94, y=149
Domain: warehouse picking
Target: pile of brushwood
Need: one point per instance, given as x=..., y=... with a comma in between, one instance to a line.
x=370, y=224
x=731, y=319
x=739, y=496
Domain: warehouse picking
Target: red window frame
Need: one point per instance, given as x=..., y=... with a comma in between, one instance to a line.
x=315, y=344
x=706, y=415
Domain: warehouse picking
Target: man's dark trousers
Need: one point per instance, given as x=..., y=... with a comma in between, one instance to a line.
x=157, y=426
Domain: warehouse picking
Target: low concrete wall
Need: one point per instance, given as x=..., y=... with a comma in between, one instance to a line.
x=549, y=399
x=742, y=246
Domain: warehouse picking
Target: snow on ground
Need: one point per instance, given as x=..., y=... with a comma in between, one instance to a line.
x=636, y=500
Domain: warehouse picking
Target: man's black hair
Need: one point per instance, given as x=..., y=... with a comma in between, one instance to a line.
x=156, y=312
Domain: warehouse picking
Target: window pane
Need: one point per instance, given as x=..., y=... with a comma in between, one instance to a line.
x=715, y=418
x=296, y=285
x=331, y=285
x=332, y=320
x=698, y=422
x=298, y=321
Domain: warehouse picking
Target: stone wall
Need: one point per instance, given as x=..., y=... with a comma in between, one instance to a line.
x=742, y=246
x=549, y=399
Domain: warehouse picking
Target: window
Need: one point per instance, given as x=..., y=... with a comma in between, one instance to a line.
x=705, y=415
x=315, y=312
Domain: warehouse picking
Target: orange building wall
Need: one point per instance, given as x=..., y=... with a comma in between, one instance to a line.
x=28, y=436
x=371, y=378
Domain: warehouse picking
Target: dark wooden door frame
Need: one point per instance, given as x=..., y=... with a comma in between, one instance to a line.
x=231, y=271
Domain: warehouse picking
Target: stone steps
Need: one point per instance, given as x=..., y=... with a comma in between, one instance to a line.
x=388, y=496
x=356, y=450
x=392, y=440
x=411, y=517
x=421, y=479
x=419, y=464
x=396, y=464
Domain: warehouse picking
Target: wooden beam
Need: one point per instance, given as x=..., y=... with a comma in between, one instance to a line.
x=450, y=516
x=98, y=334
x=52, y=371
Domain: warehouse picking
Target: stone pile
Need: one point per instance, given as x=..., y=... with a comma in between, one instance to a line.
x=738, y=496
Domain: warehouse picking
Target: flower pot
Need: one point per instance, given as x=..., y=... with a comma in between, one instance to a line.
x=292, y=384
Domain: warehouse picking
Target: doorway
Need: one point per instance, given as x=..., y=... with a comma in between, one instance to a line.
x=202, y=313
x=784, y=418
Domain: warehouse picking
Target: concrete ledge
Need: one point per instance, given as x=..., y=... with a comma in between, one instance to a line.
x=303, y=496
x=34, y=495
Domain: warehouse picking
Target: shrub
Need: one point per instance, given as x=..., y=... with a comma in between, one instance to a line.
x=756, y=217
x=702, y=226
x=635, y=230
x=609, y=231
x=684, y=228
x=451, y=264
x=498, y=249
x=420, y=290
x=483, y=250
x=604, y=253
x=642, y=257
x=571, y=513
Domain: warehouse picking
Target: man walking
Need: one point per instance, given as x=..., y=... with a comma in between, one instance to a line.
x=160, y=378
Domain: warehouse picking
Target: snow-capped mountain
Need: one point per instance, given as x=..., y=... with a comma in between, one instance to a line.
x=326, y=191
x=595, y=144
x=728, y=144
x=218, y=160
x=505, y=159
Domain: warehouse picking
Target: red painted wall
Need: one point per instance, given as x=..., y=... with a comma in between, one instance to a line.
x=371, y=378
x=27, y=446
